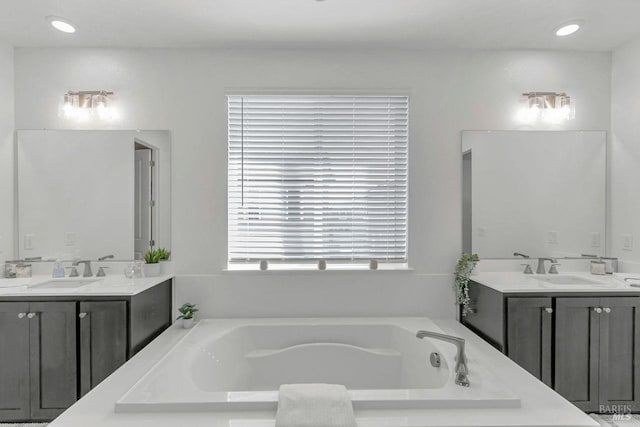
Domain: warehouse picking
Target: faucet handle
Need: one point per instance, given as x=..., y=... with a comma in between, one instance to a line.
x=527, y=269
x=554, y=269
x=101, y=272
x=74, y=271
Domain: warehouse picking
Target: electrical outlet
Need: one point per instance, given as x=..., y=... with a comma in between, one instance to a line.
x=552, y=237
x=595, y=239
x=482, y=232
x=69, y=238
x=28, y=242
x=627, y=242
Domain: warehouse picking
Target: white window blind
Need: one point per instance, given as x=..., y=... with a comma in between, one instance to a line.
x=317, y=177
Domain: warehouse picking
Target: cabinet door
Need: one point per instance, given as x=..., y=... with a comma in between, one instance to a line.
x=103, y=341
x=577, y=351
x=529, y=332
x=52, y=335
x=620, y=353
x=14, y=361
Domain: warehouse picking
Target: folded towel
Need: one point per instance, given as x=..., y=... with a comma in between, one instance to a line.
x=314, y=405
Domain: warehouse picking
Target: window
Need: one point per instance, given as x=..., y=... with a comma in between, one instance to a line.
x=317, y=177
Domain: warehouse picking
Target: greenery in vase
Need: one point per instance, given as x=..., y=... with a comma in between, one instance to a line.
x=464, y=267
x=187, y=311
x=164, y=254
x=152, y=257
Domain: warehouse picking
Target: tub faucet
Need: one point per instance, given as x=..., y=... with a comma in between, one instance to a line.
x=461, y=359
x=541, y=269
x=106, y=257
x=87, y=267
x=520, y=255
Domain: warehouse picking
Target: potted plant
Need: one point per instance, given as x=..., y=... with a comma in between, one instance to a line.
x=464, y=267
x=187, y=311
x=152, y=263
x=164, y=254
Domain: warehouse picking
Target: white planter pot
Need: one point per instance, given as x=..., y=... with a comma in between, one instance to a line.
x=187, y=323
x=152, y=270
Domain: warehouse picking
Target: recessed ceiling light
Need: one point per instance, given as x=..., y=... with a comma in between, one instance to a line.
x=61, y=24
x=567, y=29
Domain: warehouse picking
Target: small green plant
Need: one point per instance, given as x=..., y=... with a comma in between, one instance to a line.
x=152, y=257
x=187, y=311
x=164, y=254
x=464, y=267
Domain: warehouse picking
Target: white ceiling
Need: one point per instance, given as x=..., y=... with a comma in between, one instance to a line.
x=493, y=24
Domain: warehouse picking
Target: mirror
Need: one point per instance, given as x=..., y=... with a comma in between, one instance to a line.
x=88, y=194
x=540, y=193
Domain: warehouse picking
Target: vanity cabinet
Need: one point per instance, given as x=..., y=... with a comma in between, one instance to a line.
x=38, y=358
x=598, y=351
x=529, y=334
x=14, y=361
x=54, y=351
x=103, y=340
x=585, y=346
x=577, y=348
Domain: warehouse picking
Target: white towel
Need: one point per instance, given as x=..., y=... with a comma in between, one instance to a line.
x=314, y=405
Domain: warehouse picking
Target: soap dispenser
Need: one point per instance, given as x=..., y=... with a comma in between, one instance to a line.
x=58, y=270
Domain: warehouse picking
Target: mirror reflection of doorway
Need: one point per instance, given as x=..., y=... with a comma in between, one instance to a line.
x=144, y=203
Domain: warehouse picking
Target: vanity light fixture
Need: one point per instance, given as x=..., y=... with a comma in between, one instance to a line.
x=61, y=24
x=83, y=104
x=551, y=107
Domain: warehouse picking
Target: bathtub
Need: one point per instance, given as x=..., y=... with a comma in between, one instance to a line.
x=239, y=364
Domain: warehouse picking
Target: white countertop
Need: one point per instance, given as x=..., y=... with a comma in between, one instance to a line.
x=517, y=282
x=541, y=406
x=115, y=285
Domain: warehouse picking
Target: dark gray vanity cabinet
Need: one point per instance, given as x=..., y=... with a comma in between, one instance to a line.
x=54, y=350
x=529, y=334
x=585, y=346
x=598, y=351
x=577, y=345
x=14, y=361
x=52, y=358
x=38, y=357
x=103, y=340
x=620, y=352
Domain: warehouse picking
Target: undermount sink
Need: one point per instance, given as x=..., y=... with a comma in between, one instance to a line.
x=568, y=280
x=63, y=284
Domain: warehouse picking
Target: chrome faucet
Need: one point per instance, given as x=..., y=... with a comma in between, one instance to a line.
x=520, y=255
x=461, y=359
x=103, y=258
x=541, y=269
x=87, y=267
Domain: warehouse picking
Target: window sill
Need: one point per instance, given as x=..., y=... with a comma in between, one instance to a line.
x=297, y=268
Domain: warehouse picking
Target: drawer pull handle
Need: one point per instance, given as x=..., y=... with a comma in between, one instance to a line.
x=607, y=310
x=31, y=315
x=549, y=310
x=82, y=315
x=21, y=315
x=597, y=310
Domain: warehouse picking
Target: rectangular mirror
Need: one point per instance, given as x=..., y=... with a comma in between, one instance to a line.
x=540, y=193
x=89, y=194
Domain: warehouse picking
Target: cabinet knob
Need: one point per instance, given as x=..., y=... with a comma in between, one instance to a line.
x=607, y=310
x=549, y=310
x=21, y=315
x=31, y=315
x=597, y=310
x=82, y=315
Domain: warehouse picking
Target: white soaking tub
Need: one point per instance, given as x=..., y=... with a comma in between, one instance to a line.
x=239, y=364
